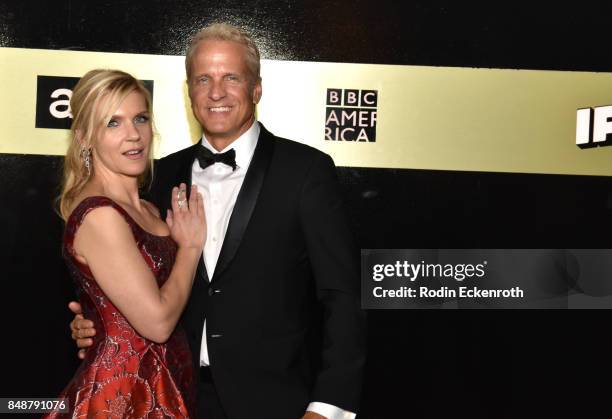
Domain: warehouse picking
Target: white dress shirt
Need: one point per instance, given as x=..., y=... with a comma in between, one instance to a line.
x=219, y=185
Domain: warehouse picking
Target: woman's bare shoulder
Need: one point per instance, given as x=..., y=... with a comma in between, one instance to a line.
x=87, y=193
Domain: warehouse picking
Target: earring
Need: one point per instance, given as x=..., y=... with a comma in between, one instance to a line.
x=86, y=157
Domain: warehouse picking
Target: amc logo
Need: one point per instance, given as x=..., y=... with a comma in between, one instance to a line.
x=594, y=127
x=53, y=100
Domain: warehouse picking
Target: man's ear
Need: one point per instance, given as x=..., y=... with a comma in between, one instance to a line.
x=188, y=87
x=257, y=92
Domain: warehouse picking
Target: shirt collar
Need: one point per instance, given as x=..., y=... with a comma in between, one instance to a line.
x=244, y=146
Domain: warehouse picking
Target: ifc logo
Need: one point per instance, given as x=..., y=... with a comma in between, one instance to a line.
x=351, y=115
x=594, y=127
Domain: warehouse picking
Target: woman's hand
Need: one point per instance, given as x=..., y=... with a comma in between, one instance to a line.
x=186, y=219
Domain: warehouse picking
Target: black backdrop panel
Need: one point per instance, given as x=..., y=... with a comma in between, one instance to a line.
x=422, y=364
x=519, y=34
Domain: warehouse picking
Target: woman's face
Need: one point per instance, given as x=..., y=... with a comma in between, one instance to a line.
x=123, y=145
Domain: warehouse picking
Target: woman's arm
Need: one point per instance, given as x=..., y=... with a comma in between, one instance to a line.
x=107, y=244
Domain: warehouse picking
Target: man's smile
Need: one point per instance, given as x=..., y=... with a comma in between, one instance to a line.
x=220, y=109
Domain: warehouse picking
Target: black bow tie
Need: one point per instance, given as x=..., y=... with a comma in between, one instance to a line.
x=206, y=157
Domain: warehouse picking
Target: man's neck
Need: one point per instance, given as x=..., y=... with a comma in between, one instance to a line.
x=220, y=143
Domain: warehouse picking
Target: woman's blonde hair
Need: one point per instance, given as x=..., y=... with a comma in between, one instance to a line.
x=94, y=99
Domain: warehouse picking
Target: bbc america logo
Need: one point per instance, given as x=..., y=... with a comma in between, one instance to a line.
x=351, y=115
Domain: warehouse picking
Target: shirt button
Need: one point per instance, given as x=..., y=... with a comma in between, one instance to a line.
x=214, y=239
x=216, y=335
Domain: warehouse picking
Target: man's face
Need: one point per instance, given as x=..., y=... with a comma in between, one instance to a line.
x=223, y=94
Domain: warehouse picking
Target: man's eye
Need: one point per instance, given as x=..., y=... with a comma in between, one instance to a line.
x=203, y=80
x=231, y=78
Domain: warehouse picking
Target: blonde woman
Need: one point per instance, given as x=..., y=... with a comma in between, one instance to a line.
x=132, y=271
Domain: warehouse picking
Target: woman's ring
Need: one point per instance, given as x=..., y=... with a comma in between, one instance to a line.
x=180, y=202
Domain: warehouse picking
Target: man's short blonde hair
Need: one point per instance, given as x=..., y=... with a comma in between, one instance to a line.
x=226, y=32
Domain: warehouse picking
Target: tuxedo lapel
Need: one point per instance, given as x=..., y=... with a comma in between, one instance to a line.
x=170, y=172
x=184, y=174
x=246, y=200
x=201, y=270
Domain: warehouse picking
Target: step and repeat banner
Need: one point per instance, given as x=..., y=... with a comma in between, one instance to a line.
x=379, y=116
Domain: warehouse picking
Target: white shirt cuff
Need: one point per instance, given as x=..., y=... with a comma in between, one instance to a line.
x=330, y=411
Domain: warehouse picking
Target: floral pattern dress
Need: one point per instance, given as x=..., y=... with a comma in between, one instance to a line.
x=125, y=375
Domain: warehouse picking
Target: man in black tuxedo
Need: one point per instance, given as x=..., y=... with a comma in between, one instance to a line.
x=273, y=320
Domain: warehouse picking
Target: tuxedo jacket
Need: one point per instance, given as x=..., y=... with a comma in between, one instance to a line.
x=284, y=323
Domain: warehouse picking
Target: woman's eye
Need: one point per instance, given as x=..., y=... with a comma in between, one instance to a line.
x=112, y=123
x=142, y=119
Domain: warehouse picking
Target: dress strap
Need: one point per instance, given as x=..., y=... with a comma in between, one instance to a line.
x=84, y=207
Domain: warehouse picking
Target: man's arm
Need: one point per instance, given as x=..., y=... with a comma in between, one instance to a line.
x=335, y=263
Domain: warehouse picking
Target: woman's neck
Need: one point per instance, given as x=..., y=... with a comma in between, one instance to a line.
x=122, y=189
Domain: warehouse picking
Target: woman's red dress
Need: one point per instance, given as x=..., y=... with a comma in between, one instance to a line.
x=123, y=374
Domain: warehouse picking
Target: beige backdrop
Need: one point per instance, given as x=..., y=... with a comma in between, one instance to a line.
x=428, y=117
